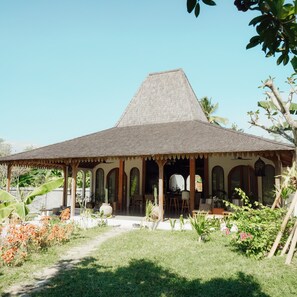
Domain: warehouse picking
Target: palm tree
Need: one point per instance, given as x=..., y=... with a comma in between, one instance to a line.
x=209, y=109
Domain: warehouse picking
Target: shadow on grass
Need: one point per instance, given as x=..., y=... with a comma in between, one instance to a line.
x=142, y=278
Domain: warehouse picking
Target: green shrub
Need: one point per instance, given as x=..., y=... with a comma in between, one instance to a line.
x=258, y=226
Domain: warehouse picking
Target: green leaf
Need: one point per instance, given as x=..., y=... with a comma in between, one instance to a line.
x=197, y=10
x=286, y=59
x=209, y=2
x=255, y=40
x=265, y=25
x=191, y=5
x=293, y=108
x=21, y=210
x=287, y=11
x=294, y=63
x=43, y=189
x=6, y=211
x=280, y=59
x=6, y=197
x=257, y=20
x=267, y=105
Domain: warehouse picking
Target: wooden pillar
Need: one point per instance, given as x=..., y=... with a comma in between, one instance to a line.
x=74, y=167
x=8, y=180
x=192, y=182
x=278, y=169
x=260, y=189
x=83, y=194
x=278, y=172
x=91, y=185
x=143, y=176
x=206, y=178
x=161, y=164
x=65, y=186
x=121, y=184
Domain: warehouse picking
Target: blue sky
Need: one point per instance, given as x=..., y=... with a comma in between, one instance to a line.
x=69, y=68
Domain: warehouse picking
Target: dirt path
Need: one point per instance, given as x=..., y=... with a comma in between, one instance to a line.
x=67, y=261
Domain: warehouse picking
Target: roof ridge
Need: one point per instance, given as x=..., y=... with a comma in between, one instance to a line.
x=166, y=71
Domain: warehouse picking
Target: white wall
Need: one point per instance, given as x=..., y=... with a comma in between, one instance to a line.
x=129, y=164
x=53, y=199
x=227, y=163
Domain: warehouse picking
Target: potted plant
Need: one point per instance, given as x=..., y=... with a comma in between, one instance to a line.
x=106, y=208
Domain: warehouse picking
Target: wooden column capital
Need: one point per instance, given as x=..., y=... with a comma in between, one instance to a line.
x=161, y=163
x=74, y=165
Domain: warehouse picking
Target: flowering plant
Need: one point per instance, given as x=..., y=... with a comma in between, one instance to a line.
x=257, y=226
x=18, y=241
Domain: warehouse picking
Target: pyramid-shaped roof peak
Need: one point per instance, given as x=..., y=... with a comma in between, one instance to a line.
x=164, y=97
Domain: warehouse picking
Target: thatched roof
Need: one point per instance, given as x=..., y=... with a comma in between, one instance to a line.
x=164, y=97
x=168, y=140
x=163, y=120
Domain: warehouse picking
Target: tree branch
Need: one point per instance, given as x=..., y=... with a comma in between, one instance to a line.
x=279, y=103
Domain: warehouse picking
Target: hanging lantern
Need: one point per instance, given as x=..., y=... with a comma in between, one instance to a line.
x=259, y=167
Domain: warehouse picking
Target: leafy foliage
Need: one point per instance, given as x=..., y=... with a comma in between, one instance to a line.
x=275, y=26
x=5, y=150
x=289, y=181
x=194, y=5
x=209, y=109
x=151, y=211
x=235, y=127
x=280, y=112
x=172, y=223
x=35, y=177
x=201, y=225
x=257, y=227
x=18, y=205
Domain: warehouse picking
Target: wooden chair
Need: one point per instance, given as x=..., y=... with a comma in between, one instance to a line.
x=173, y=203
x=185, y=201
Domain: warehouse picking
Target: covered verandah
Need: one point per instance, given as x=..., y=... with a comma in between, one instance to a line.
x=71, y=167
x=165, y=167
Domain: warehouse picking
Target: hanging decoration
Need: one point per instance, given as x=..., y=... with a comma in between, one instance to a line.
x=259, y=167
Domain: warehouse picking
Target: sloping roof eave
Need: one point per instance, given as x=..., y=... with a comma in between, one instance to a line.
x=170, y=139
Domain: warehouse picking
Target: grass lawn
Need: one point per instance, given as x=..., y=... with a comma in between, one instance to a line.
x=11, y=275
x=163, y=263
